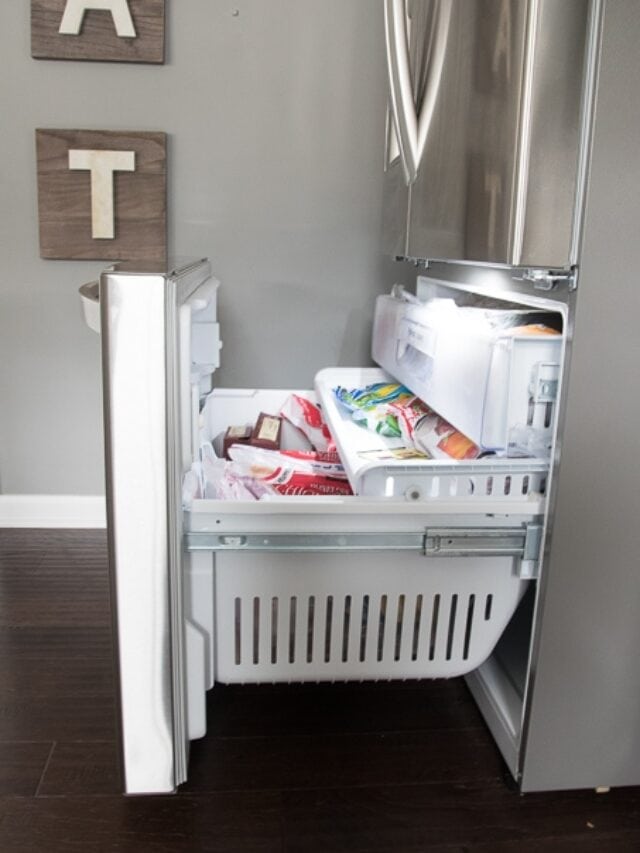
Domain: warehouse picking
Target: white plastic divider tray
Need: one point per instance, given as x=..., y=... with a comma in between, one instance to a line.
x=487, y=382
x=417, y=479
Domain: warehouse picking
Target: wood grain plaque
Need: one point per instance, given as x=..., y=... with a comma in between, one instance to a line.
x=76, y=210
x=98, y=37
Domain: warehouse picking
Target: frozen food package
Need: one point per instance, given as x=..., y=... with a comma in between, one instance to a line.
x=393, y=411
x=382, y=454
x=388, y=409
x=534, y=329
x=222, y=483
x=306, y=416
x=441, y=440
x=510, y=321
x=191, y=485
x=408, y=414
x=289, y=472
x=235, y=435
x=322, y=462
x=369, y=406
x=267, y=432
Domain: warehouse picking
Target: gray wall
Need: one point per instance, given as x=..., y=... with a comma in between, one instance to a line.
x=275, y=119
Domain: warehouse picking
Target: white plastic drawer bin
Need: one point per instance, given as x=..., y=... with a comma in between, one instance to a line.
x=283, y=613
x=496, y=386
x=318, y=617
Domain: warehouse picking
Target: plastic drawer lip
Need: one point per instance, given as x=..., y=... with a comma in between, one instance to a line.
x=347, y=511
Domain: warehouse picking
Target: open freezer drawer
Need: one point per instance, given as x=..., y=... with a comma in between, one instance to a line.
x=343, y=588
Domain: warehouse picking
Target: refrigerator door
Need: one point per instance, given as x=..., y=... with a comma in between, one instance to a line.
x=487, y=105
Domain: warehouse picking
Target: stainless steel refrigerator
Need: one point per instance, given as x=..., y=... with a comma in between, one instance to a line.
x=511, y=183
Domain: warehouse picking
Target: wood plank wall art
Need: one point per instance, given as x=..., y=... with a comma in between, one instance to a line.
x=102, y=195
x=104, y=30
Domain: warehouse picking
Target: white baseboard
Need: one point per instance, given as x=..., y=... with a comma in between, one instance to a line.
x=52, y=511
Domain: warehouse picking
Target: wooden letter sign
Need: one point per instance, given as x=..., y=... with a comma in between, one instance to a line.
x=107, y=30
x=102, y=195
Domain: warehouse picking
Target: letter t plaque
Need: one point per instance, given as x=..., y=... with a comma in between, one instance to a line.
x=102, y=195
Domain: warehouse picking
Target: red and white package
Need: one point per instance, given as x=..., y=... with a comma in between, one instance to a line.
x=306, y=416
x=441, y=440
x=327, y=463
x=290, y=472
x=409, y=414
x=425, y=429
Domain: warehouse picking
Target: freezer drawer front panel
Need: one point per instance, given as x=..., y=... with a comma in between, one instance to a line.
x=283, y=617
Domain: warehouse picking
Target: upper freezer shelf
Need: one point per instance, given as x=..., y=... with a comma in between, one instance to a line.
x=493, y=373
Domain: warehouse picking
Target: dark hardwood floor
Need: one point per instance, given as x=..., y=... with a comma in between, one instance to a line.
x=350, y=767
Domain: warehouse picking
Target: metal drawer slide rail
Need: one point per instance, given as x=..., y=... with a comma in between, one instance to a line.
x=521, y=542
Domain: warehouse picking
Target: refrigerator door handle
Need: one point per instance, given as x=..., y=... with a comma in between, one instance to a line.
x=411, y=130
x=400, y=88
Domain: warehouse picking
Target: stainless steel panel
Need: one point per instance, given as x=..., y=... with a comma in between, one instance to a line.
x=143, y=463
x=506, y=131
x=551, y=144
x=438, y=214
x=583, y=706
x=395, y=211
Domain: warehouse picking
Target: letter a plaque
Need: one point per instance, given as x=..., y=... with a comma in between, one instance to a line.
x=103, y=30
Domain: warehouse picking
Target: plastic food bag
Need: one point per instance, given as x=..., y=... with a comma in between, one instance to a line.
x=441, y=440
x=388, y=409
x=327, y=463
x=392, y=410
x=369, y=406
x=289, y=472
x=408, y=414
x=221, y=482
x=191, y=485
x=306, y=416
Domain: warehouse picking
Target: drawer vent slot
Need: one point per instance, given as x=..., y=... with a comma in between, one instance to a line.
x=327, y=629
x=363, y=628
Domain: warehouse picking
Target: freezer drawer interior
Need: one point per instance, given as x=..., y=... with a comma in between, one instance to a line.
x=483, y=485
